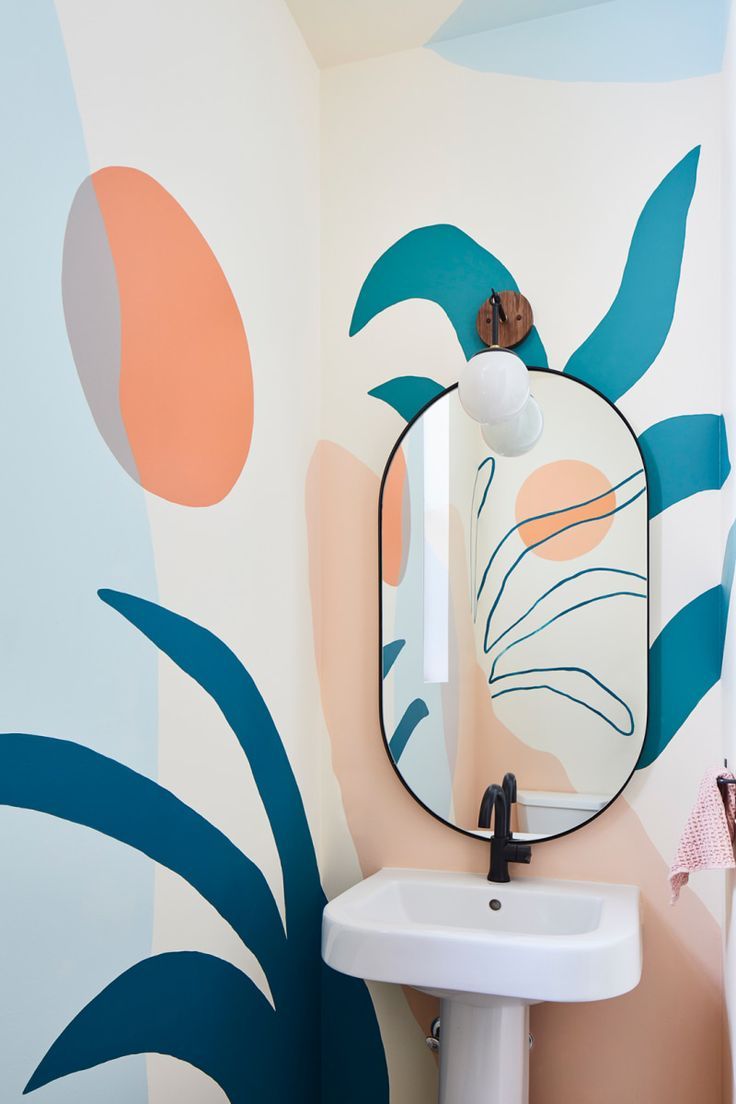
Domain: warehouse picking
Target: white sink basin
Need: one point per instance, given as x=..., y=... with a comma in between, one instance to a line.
x=549, y=941
x=488, y=950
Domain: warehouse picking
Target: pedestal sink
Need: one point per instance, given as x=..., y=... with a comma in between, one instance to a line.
x=488, y=950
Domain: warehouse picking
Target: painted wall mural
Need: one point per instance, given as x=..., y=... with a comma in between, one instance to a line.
x=174, y=816
x=199, y=1008
x=107, y=274
x=157, y=338
x=73, y=910
x=455, y=272
x=618, y=240
x=597, y=40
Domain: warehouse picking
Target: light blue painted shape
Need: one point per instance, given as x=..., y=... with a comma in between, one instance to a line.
x=77, y=908
x=407, y=395
x=684, y=455
x=626, y=341
x=619, y=41
x=445, y=265
x=686, y=658
x=475, y=16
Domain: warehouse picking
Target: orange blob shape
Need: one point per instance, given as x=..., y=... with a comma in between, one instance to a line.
x=392, y=521
x=186, y=388
x=568, y=492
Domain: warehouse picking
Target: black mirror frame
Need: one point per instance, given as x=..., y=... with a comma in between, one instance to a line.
x=394, y=450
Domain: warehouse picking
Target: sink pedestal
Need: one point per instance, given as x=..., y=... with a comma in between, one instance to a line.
x=484, y=1051
x=488, y=952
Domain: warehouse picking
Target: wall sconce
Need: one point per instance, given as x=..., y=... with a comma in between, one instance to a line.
x=494, y=384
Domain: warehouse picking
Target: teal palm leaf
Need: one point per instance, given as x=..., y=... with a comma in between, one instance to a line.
x=102, y=794
x=446, y=266
x=685, y=660
x=624, y=344
x=165, y=1004
x=407, y=395
x=191, y=1006
x=206, y=659
x=684, y=455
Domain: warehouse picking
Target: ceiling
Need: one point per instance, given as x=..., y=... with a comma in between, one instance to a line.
x=339, y=31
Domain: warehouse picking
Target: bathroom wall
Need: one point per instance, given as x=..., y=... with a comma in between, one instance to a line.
x=190, y=753
x=160, y=405
x=594, y=176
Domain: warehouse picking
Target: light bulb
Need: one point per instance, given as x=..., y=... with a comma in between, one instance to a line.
x=516, y=435
x=493, y=385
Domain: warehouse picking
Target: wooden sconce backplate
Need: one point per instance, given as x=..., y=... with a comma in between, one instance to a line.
x=518, y=322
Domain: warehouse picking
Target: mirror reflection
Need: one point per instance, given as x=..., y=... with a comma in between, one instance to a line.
x=514, y=611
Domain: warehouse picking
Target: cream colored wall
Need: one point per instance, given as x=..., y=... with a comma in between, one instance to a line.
x=552, y=185
x=219, y=102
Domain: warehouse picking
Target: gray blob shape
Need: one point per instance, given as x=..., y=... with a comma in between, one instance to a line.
x=91, y=301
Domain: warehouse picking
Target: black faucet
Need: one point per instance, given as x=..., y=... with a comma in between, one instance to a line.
x=503, y=848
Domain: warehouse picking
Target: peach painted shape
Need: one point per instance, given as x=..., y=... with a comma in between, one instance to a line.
x=392, y=520
x=661, y=1042
x=554, y=487
x=186, y=389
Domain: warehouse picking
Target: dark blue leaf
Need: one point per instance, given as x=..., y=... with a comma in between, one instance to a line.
x=200, y=654
x=686, y=658
x=191, y=1006
x=445, y=265
x=624, y=344
x=684, y=455
x=407, y=394
x=84, y=787
x=416, y=711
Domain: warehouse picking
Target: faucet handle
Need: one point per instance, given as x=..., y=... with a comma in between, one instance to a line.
x=509, y=787
x=487, y=804
x=518, y=852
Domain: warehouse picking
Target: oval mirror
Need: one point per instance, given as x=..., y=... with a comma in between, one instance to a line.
x=514, y=611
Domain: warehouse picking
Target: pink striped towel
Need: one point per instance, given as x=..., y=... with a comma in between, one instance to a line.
x=707, y=839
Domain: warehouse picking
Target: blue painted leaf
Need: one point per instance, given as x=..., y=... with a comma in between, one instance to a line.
x=415, y=712
x=684, y=455
x=391, y=654
x=192, y=1006
x=349, y=1027
x=352, y=1019
x=407, y=394
x=206, y=659
x=625, y=343
x=109, y=797
x=443, y=264
x=686, y=658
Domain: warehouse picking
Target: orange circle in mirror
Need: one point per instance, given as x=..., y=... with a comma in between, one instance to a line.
x=564, y=509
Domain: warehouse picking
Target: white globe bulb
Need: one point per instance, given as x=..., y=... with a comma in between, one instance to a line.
x=515, y=436
x=493, y=385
